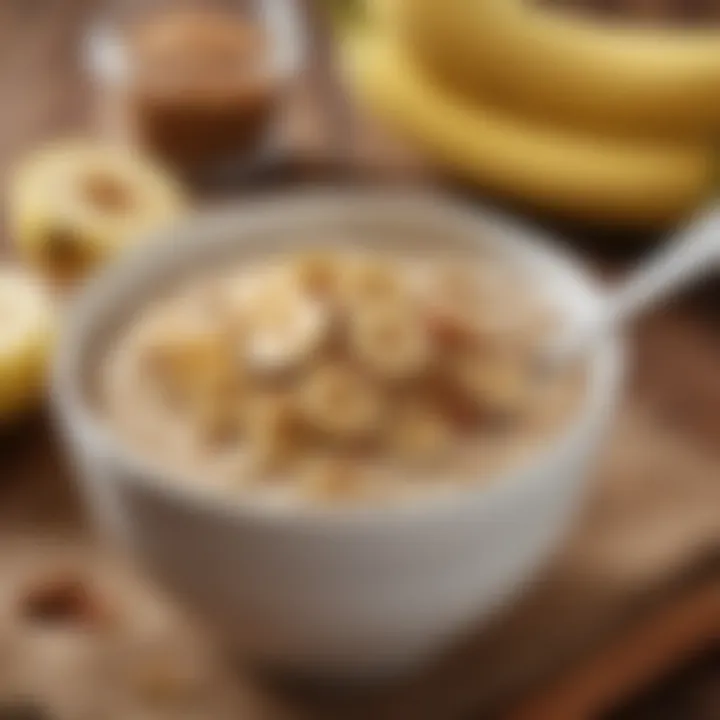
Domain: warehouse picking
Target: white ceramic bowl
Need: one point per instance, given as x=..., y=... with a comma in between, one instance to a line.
x=345, y=592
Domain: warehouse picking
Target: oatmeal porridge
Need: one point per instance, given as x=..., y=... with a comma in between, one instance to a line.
x=339, y=377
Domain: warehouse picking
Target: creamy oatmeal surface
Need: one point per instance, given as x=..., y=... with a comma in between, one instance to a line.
x=338, y=377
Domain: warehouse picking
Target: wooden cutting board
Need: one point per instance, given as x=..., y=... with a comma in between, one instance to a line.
x=633, y=594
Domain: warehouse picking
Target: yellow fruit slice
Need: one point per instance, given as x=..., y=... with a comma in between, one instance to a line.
x=382, y=11
x=570, y=69
x=76, y=204
x=26, y=332
x=607, y=182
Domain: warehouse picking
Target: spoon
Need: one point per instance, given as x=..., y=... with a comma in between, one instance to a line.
x=689, y=255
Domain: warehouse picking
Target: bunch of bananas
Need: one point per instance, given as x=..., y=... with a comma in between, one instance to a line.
x=71, y=207
x=588, y=120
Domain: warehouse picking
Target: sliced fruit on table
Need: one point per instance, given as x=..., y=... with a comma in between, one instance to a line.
x=605, y=181
x=26, y=338
x=76, y=204
x=570, y=69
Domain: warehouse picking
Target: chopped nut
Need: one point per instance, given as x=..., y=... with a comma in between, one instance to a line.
x=62, y=598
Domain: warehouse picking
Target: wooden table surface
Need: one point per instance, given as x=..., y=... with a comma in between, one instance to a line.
x=43, y=94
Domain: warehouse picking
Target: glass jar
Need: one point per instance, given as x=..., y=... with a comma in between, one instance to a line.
x=198, y=84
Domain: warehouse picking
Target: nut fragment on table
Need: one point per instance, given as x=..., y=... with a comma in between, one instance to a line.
x=63, y=598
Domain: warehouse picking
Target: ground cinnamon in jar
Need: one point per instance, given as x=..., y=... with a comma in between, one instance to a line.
x=202, y=91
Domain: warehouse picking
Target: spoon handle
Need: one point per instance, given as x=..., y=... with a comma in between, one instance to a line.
x=692, y=254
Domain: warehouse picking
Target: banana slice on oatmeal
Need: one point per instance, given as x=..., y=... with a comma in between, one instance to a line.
x=391, y=341
x=338, y=401
x=284, y=326
x=419, y=435
x=189, y=358
x=272, y=430
x=501, y=383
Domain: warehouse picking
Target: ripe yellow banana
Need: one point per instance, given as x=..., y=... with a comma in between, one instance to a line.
x=586, y=178
x=75, y=204
x=26, y=333
x=551, y=65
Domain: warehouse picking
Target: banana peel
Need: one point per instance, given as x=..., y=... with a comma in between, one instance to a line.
x=27, y=327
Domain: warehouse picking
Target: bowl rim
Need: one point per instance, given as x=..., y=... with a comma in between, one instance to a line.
x=72, y=410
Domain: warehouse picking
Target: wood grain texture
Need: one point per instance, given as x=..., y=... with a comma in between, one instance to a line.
x=652, y=647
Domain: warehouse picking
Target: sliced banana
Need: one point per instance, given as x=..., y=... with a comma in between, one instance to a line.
x=369, y=281
x=284, y=326
x=338, y=401
x=319, y=273
x=191, y=359
x=391, y=341
x=26, y=333
x=419, y=435
x=497, y=382
x=187, y=356
x=75, y=204
x=459, y=303
x=272, y=430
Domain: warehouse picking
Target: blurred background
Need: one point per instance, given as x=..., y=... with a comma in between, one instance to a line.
x=598, y=120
